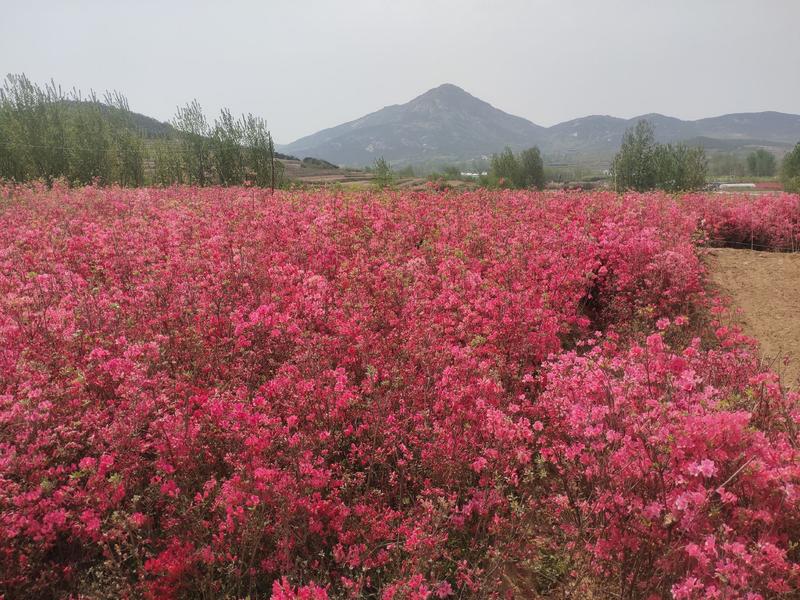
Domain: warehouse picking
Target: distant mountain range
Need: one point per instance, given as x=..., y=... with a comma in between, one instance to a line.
x=446, y=124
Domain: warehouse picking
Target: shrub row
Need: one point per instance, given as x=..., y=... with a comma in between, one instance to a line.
x=219, y=393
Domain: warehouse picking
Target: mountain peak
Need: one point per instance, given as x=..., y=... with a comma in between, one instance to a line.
x=444, y=124
x=448, y=94
x=446, y=89
x=448, y=86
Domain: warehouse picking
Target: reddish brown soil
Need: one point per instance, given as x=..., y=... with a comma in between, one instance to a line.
x=766, y=287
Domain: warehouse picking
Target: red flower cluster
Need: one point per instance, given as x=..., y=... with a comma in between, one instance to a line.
x=674, y=466
x=219, y=393
x=762, y=222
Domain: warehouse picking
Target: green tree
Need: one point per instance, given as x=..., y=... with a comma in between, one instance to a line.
x=130, y=158
x=642, y=164
x=226, y=147
x=531, y=168
x=167, y=164
x=680, y=167
x=12, y=158
x=523, y=171
x=634, y=166
x=194, y=132
x=382, y=173
x=693, y=167
x=52, y=135
x=128, y=145
x=761, y=163
x=35, y=129
x=90, y=156
x=727, y=165
x=261, y=166
x=790, y=170
x=505, y=169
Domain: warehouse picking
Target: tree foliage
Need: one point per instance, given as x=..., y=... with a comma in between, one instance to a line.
x=643, y=164
x=727, y=164
x=634, y=166
x=761, y=163
x=262, y=168
x=531, y=168
x=790, y=170
x=226, y=145
x=46, y=134
x=523, y=171
x=680, y=167
x=128, y=145
x=167, y=164
x=92, y=151
x=194, y=132
x=382, y=173
x=505, y=168
x=34, y=128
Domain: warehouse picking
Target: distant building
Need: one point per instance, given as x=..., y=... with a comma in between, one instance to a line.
x=730, y=186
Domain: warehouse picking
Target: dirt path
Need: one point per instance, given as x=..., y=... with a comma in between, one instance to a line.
x=766, y=286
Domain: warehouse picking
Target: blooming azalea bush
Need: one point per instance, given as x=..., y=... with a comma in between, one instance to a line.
x=763, y=222
x=673, y=468
x=222, y=393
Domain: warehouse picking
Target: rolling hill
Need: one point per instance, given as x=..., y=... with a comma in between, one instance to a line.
x=447, y=124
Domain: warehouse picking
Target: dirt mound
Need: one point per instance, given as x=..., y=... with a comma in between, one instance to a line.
x=766, y=287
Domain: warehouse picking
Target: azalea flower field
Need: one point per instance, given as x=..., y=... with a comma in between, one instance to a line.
x=218, y=393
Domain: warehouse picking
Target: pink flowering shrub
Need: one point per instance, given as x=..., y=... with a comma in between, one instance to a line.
x=219, y=393
x=763, y=222
x=673, y=469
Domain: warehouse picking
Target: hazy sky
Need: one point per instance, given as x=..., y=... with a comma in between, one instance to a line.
x=309, y=64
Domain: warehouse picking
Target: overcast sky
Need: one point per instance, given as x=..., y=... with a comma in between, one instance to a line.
x=309, y=64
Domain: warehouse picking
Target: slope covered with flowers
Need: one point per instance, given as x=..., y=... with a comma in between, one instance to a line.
x=216, y=393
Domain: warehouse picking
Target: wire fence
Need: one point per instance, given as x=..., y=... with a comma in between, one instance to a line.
x=726, y=243
x=173, y=147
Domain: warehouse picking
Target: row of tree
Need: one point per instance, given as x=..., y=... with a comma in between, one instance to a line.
x=759, y=163
x=523, y=170
x=507, y=170
x=790, y=171
x=46, y=134
x=643, y=164
x=229, y=152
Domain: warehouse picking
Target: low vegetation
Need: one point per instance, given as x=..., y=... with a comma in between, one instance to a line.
x=222, y=393
x=318, y=163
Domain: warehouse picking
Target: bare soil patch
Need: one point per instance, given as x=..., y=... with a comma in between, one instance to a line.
x=766, y=287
